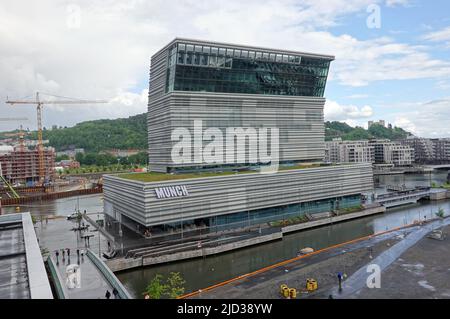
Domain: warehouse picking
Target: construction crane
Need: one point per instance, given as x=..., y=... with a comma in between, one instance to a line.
x=39, y=106
x=21, y=134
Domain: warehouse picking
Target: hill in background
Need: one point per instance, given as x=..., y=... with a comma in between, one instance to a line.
x=131, y=133
x=348, y=133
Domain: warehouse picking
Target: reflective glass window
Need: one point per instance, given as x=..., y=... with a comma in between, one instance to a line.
x=213, y=69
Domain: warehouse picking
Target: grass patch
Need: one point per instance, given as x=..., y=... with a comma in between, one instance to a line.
x=350, y=210
x=158, y=177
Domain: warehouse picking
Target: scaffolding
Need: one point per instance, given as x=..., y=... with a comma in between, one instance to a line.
x=21, y=166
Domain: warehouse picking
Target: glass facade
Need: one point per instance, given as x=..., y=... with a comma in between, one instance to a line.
x=286, y=212
x=278, y=213
x=215, y=69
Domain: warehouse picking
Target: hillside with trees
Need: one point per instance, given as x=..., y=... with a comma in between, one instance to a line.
x=131, y=133
x=100, y=135
x=348, y=133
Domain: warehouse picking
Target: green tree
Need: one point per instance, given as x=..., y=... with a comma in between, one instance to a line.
x=156, y=288
x=175, y=285
x=440, y=213
x=172, y=287
x=62, y=157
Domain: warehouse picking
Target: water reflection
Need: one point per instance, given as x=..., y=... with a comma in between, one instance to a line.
x=60, y=207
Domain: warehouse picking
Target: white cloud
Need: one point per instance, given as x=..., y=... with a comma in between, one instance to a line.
x=108, y=56
x=395, y=3
x=426, y=119
x=335, y=112
x=439, y=36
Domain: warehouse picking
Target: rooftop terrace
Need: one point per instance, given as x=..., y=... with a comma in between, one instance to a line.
x=160, y=177
x=22, y=272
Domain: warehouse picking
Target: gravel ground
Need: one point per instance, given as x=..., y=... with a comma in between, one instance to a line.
x=423, y=271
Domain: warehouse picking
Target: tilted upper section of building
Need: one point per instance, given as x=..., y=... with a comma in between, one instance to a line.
x=226, y=85
x=218, y=67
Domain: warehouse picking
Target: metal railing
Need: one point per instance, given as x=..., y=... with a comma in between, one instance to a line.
x=61, y=292
x=109, y=275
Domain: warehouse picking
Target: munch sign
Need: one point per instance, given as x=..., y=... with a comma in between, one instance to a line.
x=171, y=192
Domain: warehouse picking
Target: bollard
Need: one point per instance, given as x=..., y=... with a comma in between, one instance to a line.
x=293, y=293
x=286, y=292
x=282, y=288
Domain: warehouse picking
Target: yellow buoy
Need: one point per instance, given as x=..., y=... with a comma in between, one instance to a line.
x=282, y=288
x=311, y=284
x=293, y=293
x=286, y=292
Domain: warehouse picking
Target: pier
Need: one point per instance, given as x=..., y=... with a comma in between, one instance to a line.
x=411, y=196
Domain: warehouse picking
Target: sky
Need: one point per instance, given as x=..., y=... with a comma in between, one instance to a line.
x=392, y=56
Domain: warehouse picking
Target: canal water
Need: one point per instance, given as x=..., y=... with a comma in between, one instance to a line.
x=200, y=273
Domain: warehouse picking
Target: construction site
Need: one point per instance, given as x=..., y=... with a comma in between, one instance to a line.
x=28, y=173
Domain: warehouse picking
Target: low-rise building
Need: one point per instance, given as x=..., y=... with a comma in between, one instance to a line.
x=71, y=153
x=389, y=152
x=338, y=151
x=429, y=151
x=380, y=122
x=68, y=164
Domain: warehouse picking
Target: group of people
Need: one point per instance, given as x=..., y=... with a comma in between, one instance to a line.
x=65, y=251
x=115, y=293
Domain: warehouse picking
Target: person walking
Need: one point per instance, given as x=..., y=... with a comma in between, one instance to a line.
x=57, y=255
x=108, y=294
x=340, y=281
x=115, y=293
x=68, y=252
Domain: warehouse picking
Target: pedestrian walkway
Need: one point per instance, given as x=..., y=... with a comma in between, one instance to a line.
x=357, y=281
x=70, y=250
x=92, y=284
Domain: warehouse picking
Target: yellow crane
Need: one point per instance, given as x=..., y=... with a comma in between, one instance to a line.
x=21, y=134
x=39, y=105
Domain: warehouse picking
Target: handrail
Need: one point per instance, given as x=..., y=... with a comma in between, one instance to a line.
x=108, y=274
x=61, y=292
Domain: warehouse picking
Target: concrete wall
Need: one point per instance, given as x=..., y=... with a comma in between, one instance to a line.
x=120, y=264
x=227, y=194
